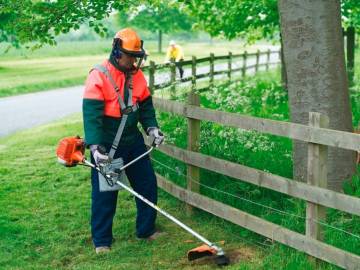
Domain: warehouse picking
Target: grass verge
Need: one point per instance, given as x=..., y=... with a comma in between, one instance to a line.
x=68, y=63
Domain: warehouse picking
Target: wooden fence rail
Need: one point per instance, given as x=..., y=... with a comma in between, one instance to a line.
x=335, y=138
x=317, y=195
x=270, y=230
x=314, y=192
x=231, y=59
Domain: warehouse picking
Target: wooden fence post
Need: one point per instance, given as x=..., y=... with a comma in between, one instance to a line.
x=257, y=61
x=193, y=173
x=211, y=81
x=173, y=80
x=316, y=176
x=243, y=72
x=268, y=59
x=229, y=66
x=193, y=74
x=152, y=77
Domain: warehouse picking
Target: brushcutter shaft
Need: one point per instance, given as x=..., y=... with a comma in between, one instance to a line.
x=91, y=165
x=219, y=250
x=175, y=220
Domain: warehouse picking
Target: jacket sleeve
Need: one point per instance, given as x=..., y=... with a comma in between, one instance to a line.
x=93, y=109
x=147, y=116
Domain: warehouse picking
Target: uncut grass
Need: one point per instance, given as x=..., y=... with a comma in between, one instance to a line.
x=260, y=96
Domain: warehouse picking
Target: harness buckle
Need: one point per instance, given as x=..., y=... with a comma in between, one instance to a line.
x=127, y=110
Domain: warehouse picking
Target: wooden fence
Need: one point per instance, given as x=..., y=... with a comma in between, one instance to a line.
x=226, y=61
x=314, y=192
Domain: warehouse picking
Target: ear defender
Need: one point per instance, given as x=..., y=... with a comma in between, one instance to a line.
x=116, y=52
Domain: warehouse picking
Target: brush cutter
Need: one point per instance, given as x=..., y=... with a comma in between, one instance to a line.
x=70, y=152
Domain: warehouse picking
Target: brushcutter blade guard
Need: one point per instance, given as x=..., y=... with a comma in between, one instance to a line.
x=201, y=251
x=71, y=151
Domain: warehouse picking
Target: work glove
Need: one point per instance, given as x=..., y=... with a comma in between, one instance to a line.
x=99, y=153
x=156, y=136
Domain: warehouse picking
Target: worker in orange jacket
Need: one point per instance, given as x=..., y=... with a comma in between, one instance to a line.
x=116, y=98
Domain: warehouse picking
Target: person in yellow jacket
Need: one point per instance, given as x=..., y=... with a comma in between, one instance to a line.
x=175, y=55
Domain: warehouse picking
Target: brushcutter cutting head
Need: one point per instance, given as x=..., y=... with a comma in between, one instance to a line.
x=201, y=251
x=222, y=260
x=205, y=250
x=70, y=151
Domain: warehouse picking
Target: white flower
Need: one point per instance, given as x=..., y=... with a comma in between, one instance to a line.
x=262, y=16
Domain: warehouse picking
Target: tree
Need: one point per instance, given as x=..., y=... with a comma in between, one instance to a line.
x=315, y=61
x=255, y=19
x=162, y=17
x=40, y=21
x=251, y=19
x=25, y=21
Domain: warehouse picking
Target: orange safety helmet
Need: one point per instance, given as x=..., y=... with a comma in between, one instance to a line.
x=127, y=41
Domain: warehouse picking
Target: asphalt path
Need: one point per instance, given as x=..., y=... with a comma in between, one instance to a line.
x=26, y=111
x=30, y=110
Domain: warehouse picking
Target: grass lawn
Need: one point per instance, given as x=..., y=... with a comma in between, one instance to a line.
x=69, y=63
x=45, y=208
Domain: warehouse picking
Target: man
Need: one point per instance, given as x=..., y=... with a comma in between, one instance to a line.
x=175, y=55
x=111, y=127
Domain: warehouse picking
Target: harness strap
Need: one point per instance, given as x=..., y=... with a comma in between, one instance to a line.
x=125, y=110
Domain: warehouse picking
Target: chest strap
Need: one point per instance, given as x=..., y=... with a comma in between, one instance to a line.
x=125, y=110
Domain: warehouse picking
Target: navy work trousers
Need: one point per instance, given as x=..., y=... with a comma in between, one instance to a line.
x=142, y=179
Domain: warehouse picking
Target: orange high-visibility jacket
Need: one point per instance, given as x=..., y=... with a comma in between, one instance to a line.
x=101, y=109
x=99, y=87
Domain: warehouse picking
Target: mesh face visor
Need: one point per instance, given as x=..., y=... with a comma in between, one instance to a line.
x=117, y=45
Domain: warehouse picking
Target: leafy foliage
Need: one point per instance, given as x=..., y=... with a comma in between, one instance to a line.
x=25, y=21
x=247, y=18
x=350, y=10
x=252, y=19
x=162, y=16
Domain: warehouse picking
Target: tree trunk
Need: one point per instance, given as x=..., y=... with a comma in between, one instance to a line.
x=283, y=66
x=317, y=80
x=350, y=52
x=160, y=42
